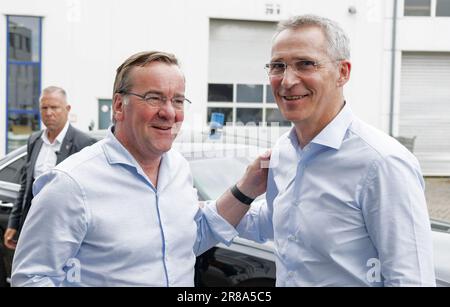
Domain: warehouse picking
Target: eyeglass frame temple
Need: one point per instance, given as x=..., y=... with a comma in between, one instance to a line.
x=122, y=92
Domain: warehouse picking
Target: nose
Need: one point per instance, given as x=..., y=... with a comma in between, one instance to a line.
x=48, y=112
x=290, y=78
x=167, y=111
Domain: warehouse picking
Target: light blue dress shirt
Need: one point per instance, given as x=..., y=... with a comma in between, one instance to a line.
x=97, y=220
x=347, y=210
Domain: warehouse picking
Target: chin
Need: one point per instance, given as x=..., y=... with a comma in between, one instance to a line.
x=293, y=116
x=164, y=146
x=163, y=150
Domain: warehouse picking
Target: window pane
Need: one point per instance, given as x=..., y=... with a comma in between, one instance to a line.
x=23, y=87
x=11, y=173
x=417, y=8
x=248, y=115
x=20, y=126
x=27, y=37
x=269, y=94
x=228, y=112
x=274, y=116
x=220, y=92
x=443, y=8
x=11, y=40
x=249, y=93
x=104, y=113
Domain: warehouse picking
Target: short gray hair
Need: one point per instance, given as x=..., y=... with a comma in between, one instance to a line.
x=54, y=89
x=338, y=42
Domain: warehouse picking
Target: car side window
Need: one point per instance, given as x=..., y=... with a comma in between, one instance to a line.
x=11, y=173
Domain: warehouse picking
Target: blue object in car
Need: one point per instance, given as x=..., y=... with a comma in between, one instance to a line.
x=216, y=125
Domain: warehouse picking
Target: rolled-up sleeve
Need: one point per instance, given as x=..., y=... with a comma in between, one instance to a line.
x=212, y=228
x=256, y=225
x=52, y=233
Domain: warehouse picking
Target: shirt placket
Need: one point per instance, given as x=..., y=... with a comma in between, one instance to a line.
x=303, y=158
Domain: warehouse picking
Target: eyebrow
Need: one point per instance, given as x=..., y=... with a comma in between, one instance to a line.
x=306, y=59
x=296, y=59
x=52, y=106
x=154, y=92
x=161, y=93
x=275, y=60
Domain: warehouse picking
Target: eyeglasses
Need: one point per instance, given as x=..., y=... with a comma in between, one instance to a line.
x=157, y=101
x=301, y=67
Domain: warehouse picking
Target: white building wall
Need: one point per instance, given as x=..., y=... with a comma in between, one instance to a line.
x=430, y=34
x=85, y=40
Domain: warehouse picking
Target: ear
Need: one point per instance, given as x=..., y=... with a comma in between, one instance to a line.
x=68, y=108
x=344, y=72
x=118, y=107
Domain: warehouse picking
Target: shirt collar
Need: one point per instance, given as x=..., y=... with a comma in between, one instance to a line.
x=292, y=136
x=115, y=152
x=59, y=139
x=334, y=133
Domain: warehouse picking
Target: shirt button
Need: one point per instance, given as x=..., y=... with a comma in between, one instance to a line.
x=292, y=238
x=291, y=274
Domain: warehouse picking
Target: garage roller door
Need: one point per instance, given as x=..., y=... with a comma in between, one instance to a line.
x=425, y=108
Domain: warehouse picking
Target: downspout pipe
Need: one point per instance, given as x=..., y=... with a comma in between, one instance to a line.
x=393, y=63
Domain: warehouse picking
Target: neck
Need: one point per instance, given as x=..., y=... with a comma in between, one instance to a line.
x=307, y=130
x=52, y=134
x=150, y=166
x=149, y=162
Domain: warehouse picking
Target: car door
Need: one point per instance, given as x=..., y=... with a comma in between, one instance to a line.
x=10, y=169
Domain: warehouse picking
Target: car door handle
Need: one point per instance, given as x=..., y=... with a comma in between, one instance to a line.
x=6, y=205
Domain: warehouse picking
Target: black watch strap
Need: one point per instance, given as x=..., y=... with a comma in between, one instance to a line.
x=241, y=196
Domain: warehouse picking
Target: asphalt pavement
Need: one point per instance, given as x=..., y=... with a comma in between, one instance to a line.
x=437, y=192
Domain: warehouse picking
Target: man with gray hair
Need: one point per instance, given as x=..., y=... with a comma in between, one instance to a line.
x=345, y=202
x=45, y=149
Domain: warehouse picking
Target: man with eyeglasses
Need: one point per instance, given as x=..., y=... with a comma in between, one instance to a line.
x=345, y=202
x=124, y=211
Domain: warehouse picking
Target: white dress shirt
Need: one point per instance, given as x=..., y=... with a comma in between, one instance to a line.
x=46, y=159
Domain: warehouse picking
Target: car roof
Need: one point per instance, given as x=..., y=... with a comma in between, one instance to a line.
x=193, y=145
x=199, y=144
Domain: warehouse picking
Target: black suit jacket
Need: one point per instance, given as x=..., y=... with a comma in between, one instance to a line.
x=74, y=141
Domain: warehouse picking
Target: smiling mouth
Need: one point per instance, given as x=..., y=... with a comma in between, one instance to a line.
x=162, y=128
x=291, y=98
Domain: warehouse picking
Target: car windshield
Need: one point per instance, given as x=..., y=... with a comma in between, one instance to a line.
x=213, y=176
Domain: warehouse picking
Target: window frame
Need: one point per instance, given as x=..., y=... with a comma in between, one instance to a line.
x=235, y=105
x=433, y=8
x=9, y=62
